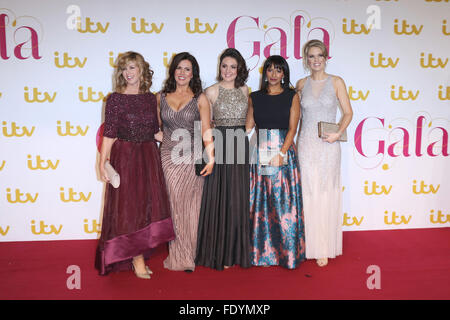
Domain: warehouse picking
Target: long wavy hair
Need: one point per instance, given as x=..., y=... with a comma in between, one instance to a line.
x=170, y=85
x=280, y=63
x=242, y=71
x=146, y=74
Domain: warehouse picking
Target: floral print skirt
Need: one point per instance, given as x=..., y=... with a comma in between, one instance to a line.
x=276, y=211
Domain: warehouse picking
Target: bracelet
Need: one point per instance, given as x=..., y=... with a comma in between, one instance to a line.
x=282, y=154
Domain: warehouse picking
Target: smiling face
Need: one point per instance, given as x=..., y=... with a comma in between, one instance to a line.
x=274, y=75
x=228, y=69
x=183, y=73
x=131, y=74
x=316, y=59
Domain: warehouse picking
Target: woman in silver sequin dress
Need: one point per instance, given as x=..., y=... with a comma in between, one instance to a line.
x=320, y=159
x=182, y=105
x=223, y=231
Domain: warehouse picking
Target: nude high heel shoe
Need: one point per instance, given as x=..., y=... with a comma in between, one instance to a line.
x=322, y=262
x=145, y=275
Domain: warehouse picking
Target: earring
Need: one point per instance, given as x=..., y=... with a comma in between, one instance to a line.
x=282, y=81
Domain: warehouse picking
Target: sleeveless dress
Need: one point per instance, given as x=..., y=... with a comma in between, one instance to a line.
x=276, y=215
x=223, y=231
x=136, y=215
x=320, y=164
x=184, y=186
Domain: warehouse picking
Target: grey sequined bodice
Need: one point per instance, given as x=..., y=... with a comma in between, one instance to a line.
x=230, y=108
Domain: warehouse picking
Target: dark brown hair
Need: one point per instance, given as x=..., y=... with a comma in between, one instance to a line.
x=195, y=84
x=242, y=71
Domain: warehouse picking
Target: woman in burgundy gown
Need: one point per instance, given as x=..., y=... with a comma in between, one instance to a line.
x=136, y=215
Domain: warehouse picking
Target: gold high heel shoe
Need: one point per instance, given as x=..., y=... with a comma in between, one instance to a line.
x=145, y=275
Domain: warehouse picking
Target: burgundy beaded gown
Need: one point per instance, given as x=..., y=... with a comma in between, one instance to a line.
x=136, y=215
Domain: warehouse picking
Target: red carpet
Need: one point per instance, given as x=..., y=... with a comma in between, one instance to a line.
x=414, y=264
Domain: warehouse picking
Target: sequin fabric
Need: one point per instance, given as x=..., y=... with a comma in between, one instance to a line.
x=320, y=166
x=185, y=188
x=230, y=108
x=131, y=117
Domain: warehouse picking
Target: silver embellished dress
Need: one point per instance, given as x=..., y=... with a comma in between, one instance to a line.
x=223, y=230
x=320, y=167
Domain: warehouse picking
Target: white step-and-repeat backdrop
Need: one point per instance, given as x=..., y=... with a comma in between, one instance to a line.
x=56, y=62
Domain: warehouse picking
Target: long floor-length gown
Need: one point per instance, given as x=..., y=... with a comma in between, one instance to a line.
x=320, y=171
x=184, y=186
x=224, y=231
x=136, y=215
x=276, y=211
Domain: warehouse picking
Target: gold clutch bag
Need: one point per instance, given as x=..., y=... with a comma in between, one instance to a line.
x=331, y=128
x=112, y=174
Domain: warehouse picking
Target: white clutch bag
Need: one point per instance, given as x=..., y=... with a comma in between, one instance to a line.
x=266, y=155
x=112, y=174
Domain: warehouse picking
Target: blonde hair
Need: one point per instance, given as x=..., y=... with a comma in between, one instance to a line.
x=146, y=74
x=313, y=43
